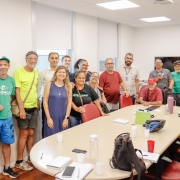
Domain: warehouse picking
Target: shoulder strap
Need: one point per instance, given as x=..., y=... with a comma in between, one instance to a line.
x=147, y=95
x=79, y=96
x=29, y=88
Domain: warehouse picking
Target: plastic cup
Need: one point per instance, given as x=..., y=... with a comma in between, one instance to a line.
x=134, y=131
x=59, y=137
x=100, y=168
x=146, y=133
x=80, y=157
x=150, y=144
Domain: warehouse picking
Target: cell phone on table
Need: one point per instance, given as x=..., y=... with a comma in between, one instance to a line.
x=79, y=151
x=68, y=172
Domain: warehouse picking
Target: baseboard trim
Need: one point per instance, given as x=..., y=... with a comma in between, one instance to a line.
x=12, y=164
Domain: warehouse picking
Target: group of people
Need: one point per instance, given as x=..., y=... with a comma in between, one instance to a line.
x=62, y=95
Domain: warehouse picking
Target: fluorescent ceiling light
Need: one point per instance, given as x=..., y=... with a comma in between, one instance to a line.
x=122, y=4
x=155, y=19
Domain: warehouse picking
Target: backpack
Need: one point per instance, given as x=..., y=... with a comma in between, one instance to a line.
x=125, y=158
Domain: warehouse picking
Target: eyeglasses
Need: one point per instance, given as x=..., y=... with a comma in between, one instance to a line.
x=158, y=62
x=129, y=58
x=85, y=65
x=109, y=64
x=32, y=59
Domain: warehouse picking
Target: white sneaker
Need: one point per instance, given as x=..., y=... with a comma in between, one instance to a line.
x=24, y=166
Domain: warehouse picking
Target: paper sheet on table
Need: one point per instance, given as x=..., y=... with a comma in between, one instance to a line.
x=121, y=121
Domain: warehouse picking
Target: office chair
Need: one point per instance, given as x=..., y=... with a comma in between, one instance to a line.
x=125, y=101
x=91, y=112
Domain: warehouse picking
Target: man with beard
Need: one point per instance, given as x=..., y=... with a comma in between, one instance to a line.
x=151, y=95
x=110, y=81
x=130, y=75
x=176, y=78
x=26, y=95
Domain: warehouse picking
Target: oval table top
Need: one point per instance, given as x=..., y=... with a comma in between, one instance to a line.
x=107, y=131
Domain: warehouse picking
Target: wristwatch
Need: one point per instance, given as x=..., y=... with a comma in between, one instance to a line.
x=66, y=117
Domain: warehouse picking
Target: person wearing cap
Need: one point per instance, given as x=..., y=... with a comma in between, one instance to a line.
x=7, y=90
x=176, y=78
x=151, y=95
x=163, y=76
x=26, y=79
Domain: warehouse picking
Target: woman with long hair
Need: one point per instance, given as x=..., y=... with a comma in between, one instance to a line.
x=84, y=92
x=57, y=102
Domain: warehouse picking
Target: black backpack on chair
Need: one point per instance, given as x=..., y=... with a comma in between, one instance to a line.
x=125, y=158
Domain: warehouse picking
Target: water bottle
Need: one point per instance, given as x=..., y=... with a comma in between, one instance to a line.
x=166, y=109
x=93, y=148
x=170, y=102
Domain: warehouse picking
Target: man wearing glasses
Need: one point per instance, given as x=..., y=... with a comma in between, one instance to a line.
x=130, y=76
x=26, y=79
x=110, y=81
x=163, y=76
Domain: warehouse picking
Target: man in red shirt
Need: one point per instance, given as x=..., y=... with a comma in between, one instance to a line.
x=111, y=81
x=151, y=95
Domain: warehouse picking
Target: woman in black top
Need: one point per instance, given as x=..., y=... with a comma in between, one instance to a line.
x=87, y=94
x=82, y=65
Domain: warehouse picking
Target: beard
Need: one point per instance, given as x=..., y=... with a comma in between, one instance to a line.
x=128, y=63
x=31, y=65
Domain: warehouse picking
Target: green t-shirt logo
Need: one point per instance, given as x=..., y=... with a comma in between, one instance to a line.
x=4, y=90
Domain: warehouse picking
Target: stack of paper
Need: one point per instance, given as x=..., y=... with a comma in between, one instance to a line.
x=80, y=172
x=60, y=162
x=121, y=121
x=152, y=157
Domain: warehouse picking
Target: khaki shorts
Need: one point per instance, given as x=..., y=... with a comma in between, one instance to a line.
x=31, y=119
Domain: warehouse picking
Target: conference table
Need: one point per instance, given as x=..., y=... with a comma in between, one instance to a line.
x=107, y=131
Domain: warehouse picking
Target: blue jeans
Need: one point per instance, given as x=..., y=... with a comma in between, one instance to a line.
x=74, y=121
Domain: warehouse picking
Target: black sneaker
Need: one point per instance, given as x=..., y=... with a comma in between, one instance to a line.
x=10, y=172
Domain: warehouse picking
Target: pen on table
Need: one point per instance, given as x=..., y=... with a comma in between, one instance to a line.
x=41, y=156
x=78, y=173
x=145, y=155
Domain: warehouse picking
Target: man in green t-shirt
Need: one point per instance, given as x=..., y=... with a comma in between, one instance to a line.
x=7, y=87
x=26, y=94
x=176, y=78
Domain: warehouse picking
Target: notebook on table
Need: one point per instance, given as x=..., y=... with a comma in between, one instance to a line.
x=59, y=162
x=80, y=172
x=152, y=157
x=142, y=117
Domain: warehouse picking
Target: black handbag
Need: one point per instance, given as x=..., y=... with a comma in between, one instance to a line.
x=104, y=108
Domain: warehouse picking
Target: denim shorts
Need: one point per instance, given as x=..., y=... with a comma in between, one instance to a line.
x=28, y=122
x=7, y=131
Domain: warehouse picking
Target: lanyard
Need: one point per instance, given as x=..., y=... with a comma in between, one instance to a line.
x=127, y=72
